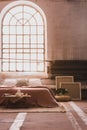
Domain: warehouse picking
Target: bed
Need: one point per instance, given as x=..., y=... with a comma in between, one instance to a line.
x=40, y=95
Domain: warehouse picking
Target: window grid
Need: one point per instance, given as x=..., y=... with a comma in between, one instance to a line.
x=23, y=42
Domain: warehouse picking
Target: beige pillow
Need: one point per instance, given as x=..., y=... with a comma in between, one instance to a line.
x=1, y=81
x=22, y=82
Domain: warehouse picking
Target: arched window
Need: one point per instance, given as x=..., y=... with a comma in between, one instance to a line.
x=23, y=38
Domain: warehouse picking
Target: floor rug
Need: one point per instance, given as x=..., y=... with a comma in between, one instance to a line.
x=60, y=109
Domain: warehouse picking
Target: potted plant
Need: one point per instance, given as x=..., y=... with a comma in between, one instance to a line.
x=61, y=91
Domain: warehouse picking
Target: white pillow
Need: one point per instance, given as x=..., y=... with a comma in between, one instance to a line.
x=34, y=82
x=9, y=82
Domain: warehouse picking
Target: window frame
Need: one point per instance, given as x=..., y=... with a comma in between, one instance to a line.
x=27, y=3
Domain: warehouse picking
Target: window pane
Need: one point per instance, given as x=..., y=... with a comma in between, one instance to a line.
x=19, y=67
x=33, y=67
x=32, y=21
x=40, y=29
x=27, y=16
x=34, y=51
x=33, y=39
x=33, y=46
x=13, y=21
x=7, y=19
x=19, y=45
x=26, y=50
x=12, y=39
x=5, y=39
x=40, y=46
x=12, y=45
x=6, y=30
x=40, y=67
x=26, y=56
x=16, y=9
x=26, y=45
x=26, y=30
x=40, y=50
x=26, y=67
x=19, y=56
x=19, y=50
x=5, y=51
x=5, y=55
x=26, y=39
x=19, y=39
x=19, y=30
x=38, y=19
x=40, y=39
x=5, y=66
x=33, y=56
x=12, y=30
x=12, y=50
x=18, y=16
x=33, y=29
x=40, y=56
x=29, y=10
x=5, y=46
x=13, y=56
x=12, y=66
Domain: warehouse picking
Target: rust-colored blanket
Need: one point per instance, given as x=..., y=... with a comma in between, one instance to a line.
x=41, y=96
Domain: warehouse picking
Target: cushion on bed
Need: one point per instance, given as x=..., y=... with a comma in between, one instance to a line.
x=1, y=81
x=35, y=82
x=22, y=82
x=19, y=82
x=8, y=83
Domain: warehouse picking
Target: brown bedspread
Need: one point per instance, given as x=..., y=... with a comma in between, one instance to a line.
x=40, y=96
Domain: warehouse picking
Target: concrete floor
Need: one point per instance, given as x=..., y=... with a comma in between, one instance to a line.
x=75, y=118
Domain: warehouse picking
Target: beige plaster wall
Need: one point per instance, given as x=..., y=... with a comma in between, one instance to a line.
x=66, y=28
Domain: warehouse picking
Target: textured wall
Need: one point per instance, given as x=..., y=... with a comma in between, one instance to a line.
x=66, y=28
